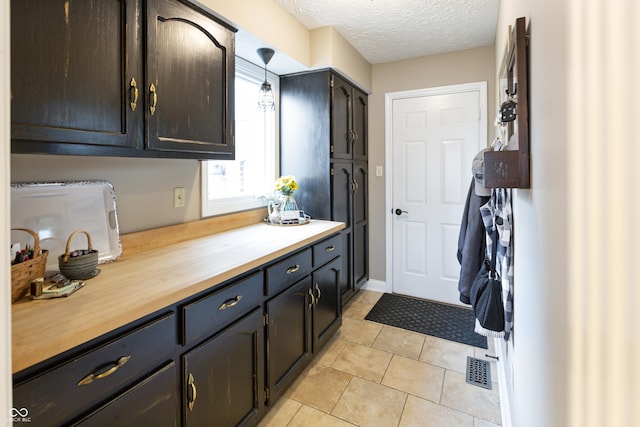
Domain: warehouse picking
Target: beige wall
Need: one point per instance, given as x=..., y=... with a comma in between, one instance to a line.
x=315, y=49
x=144, y=187
x=473, y=65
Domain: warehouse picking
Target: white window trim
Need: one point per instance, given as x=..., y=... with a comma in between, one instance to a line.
x=243, y=203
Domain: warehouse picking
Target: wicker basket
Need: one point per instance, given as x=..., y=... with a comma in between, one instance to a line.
x=23, y=273
x=78, y=267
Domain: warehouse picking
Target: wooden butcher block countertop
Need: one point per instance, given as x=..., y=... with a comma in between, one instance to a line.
x=140, y=284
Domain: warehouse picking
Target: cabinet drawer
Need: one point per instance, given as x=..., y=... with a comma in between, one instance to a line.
x=288, y=271
x=152, y=402
x=213, y=313
x=327, y=250
x=55, y=396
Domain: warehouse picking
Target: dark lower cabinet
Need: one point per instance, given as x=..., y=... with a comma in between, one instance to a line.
x=220, y=358
x=223, y=377
x=288, y=336
x=152, y=402
x=326, y=308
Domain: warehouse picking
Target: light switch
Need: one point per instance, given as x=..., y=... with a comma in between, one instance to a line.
x=378, y=170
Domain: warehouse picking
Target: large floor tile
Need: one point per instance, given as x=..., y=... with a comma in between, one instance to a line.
x=445, y=353
x=424, y=413
x=331, y=351
x=400, y=342
x=364, y=362
x=319, y=387
x=470, y=399
x=414, y=377
x=358, y=331
x=370, y=297
x=307, y=416
x=357, y=310
x=369, y=404
x=281, y=413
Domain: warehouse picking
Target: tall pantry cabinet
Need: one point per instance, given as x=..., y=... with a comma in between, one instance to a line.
x=323, y=143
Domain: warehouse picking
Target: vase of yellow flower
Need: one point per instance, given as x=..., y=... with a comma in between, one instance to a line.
x=285, y=186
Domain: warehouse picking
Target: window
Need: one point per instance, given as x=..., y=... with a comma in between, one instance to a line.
x=246, y=182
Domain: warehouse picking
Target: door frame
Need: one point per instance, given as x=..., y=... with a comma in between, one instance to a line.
x=388, y=151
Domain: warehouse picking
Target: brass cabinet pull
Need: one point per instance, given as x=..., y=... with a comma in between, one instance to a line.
x=293, y=269
x=319, y=293
x=154, y=99
x=330, y=248
x=313, y=298
x=230, y=302
x=134, y=89
x=194, y=392
x=93, y=376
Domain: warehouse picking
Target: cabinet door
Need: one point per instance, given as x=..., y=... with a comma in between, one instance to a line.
x=288, y=336
x=327, y=309
x=342, y=192
x=360, y=112
x=190, y=75
x=360, y=228
x=223, y=378
x=74, y=65
x=341, y=128
x=153, y=402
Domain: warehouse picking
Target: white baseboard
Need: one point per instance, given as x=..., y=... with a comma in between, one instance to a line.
x=376, y=285
x=505, y=404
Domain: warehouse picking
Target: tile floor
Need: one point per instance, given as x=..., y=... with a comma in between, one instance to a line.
x=375, y=375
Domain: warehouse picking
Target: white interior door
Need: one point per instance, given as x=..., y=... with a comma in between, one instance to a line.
x=434, y=140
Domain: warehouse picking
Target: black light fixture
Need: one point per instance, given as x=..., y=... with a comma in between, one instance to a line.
x=266, y=101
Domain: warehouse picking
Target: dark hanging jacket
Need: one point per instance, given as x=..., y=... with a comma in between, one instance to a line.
x=471, y=242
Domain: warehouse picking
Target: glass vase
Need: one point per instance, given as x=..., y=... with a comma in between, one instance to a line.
x=287, y=202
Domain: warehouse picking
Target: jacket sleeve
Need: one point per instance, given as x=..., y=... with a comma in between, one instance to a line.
x=471, y=243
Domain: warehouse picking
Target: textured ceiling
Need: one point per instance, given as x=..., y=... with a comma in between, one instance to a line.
x=392, y=30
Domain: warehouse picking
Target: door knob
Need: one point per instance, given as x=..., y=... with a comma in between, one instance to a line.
x=400, y=211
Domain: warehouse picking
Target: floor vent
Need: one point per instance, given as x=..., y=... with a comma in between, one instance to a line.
x=479, y=372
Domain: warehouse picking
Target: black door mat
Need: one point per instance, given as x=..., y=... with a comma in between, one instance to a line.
x=479, y=372
x=427, y=317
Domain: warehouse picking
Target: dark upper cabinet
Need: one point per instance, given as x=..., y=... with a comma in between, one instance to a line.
x=78, y=85
x=75, y=69
x=348, y=121
x=190, y=68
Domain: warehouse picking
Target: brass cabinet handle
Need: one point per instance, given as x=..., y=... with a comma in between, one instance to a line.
x=293, y=269
x=313, y=298
x=330, y=248
x=230, y=302
x=93, y=376
x=194, y=392
x=134, y=89
x=154, y=99
x=319, y=293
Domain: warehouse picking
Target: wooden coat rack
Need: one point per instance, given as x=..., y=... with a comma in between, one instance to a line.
x=510, y=168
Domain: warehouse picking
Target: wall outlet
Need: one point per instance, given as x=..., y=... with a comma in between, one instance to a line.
x=178, y=197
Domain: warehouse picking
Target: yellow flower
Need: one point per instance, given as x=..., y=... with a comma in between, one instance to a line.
x=286, y=184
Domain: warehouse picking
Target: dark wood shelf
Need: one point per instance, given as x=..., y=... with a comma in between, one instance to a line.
x=511, y=168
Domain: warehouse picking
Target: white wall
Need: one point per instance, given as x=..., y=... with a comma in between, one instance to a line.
x=576, y=229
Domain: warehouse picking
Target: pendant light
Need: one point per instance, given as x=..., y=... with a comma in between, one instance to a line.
x=266, y=100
